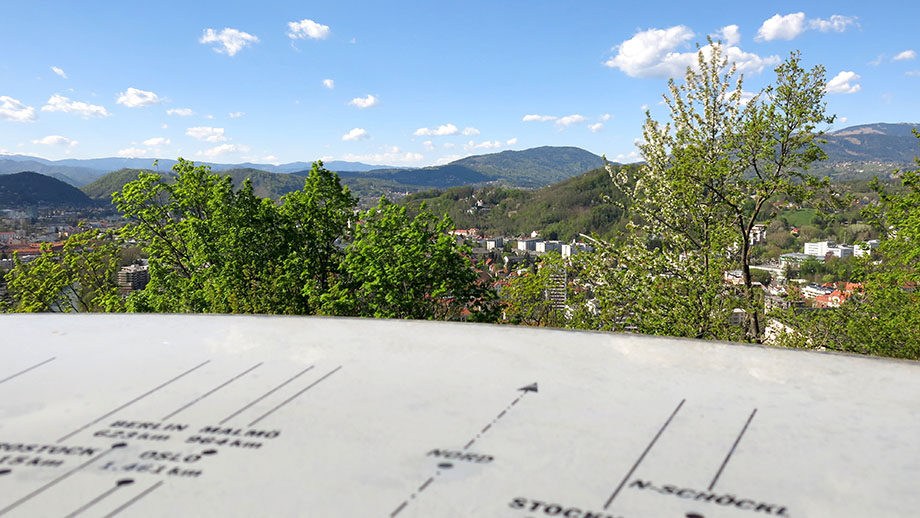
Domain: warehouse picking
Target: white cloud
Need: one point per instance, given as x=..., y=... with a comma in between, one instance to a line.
x=605, y=117
x=182, y=112
x=229, y=41
x=792, y=26
x=428, y=145
x=511, y=141
x=442, y=130
x=55, y=140
x=906, y=55
x=390, y=156
x=59, y=103
x=840, y=84
x=132, y=152
x=157, y=142
x=236, y=115
x=222, y=149
x=13, y=110
x=272, y=159
x=134, y=98
x=364, y=102
x=596, y=127
x=59, y=72
x=206, y=133
x=164, y=126
x=655, y=53
x=538, y=118
x=469, y=132
x=842, y=120
x=483, y=145
x=627, y=157
x=568, y=120
x=837, y=23
x=913, y=73
x=644, y=107
x=448, y=159
x=307, y=29
x=449, y=145
x=651, y=53
x=208, y=116
x=329, y=83
x=356, y=134
x=778, y=27
x=877, y=61
x=730, y=35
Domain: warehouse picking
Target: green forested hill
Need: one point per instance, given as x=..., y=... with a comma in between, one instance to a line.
x=535, y=167
x=29, y=188
x=872, y=143
x=530, y=168
x=560, y=211
x=265, y=184
x=103, y=188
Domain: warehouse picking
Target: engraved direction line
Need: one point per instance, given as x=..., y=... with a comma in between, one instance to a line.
x=644, y=453
x=20, y=373
x=135, y=400
x=288, y=400
x=529, y=388
x=213, y=390
x=133, y=500
x=263, y=396
x=43, y=488
x=118, y=485
x=731, y=451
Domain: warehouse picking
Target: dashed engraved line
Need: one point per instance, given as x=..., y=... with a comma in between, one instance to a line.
x=470, y=443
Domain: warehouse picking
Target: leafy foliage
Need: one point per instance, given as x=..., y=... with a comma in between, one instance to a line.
x=213, y=248
x=885, y=318
x=402, y=267
x=80, y=277
x=709, y=174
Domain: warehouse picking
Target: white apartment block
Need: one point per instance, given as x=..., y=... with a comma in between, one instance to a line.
x=548, y=246
x=493, y=243
x=568, y=250
x=822, y=248
x=528, y=244
x=866, y=248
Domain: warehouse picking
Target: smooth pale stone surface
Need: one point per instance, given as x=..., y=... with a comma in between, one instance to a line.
x=230, y=416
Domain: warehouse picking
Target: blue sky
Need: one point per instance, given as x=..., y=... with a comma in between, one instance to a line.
x=409, y=83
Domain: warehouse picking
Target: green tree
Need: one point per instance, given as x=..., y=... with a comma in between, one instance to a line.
x=401, y=267
x=526, y=298
x=214, y=249
x=79, y=277
x=884, y=319
x=708, y=177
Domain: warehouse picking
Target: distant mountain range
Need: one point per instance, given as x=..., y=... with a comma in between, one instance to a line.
x=892, y=143
x=80, y=172
x=530, y=168
x=853, y=152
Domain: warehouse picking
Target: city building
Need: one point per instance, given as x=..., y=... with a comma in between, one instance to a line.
x=133, y=277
